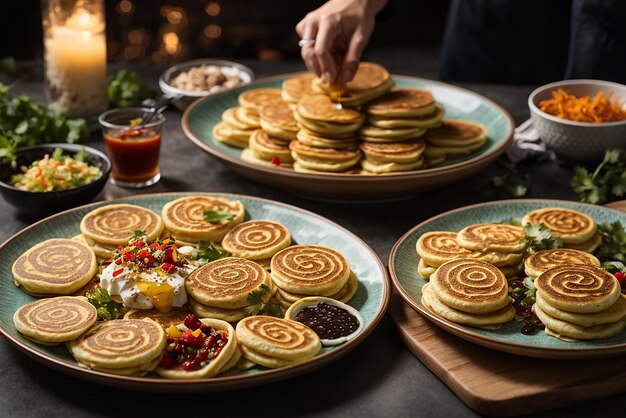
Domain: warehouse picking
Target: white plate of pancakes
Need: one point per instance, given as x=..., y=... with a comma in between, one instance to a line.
x=426, y=290
x=370, y=298
x=391, y=137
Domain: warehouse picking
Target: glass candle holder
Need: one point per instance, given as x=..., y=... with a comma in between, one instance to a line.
x=133, y=149
x=75, y=57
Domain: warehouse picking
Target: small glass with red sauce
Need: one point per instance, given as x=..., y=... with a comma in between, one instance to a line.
x=133, y=147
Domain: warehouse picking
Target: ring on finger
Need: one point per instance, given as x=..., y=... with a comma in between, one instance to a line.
x=305, y=42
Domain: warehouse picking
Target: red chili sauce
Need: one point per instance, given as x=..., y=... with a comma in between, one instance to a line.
x=135, y=153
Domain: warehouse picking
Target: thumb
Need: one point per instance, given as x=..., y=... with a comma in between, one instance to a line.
x=353, y=54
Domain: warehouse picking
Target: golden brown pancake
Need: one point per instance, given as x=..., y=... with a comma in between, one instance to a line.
x=570, y=332
x=613, y=313
x=230, y=117
x=295, y=88
x=314, y=140
x=470, y=286
x=57, y=266
x=402, y=102
x=319, y=107
x=352, y=170
x=256, y=240
x=491, y=237
x=432, y=120
x=224, y=132
x=324, y=159
x=578, y=288
x=278, y=121
x=377, y=168
x=266, y=147
x=249, y=116
x=255, y=99
x=543, y=261
x=369, y=82
x=115, y=224
x=571, y=226
x=393, y=152
x=437, y=154
x=588, y=246
x=343, y=295
x=252, y=157
x=165, y=319
x=457, y=133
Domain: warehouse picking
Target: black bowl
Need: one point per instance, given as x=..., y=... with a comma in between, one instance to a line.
x=40, y=204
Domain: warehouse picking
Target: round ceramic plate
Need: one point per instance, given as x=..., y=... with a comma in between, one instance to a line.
x=370, y=299
x=403, y=267
x=199, y=119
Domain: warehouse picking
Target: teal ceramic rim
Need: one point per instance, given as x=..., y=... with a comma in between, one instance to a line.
x=215, y=383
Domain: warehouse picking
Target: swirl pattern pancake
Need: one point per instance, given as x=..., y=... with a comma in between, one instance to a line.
x=256, y=240
x=115, y=224
x=578, y=288
x=613, y=313
x=491, y=237
x=571, y=226
x=55, y=320
x=184, y=217
x=165, y=319
x=277, y=337
x=568, y=331
x=310, y=270
x=227, y=282
x=119, y=344
x=470, y=286
x=57, y=266
x=543, y=261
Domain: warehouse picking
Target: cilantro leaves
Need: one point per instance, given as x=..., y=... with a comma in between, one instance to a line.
x=208, y=252
x=213, y=216
x=537, y=238
x=608, y=179
x=259, y=305
x=107, y=308
x=505, y=181
x=128, y=89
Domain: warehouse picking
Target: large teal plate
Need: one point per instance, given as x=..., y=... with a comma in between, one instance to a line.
x=403, y=267
x=200, y=118
x=371, y=298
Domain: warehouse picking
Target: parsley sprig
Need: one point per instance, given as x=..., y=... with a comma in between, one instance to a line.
x=208, y=252
x=608, y=179
x=505, y=181
x=538, y=237
x=612, y=252
x=107, y=308
x=259, y=303
x=128, y=89
x=215, y=216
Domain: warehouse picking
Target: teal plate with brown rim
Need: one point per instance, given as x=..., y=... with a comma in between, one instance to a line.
x=370, y=300
x=200, y=118
x=403, y=268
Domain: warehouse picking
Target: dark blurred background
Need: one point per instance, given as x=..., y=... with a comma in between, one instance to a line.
x=165, y=31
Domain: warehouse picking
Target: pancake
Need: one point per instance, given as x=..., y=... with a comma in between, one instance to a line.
x=492, y=237
x=184, y=217
x=543, y=261
x=278, y=121
x=490, y=320
x=228, y=315
x=277, y=338
x=314, y=140
x=613, y=313
x=352, y=170
x=424, y=270
x=250, y=156
x=102, y=251
x=368, y=132
x=457, y=133
x=214, y=365
x=437, y=153
x=230, y=117
x=255, y=99
x=588, y=246
x=230, y=135
x=432, y=120
x=267, y=147
x=391, y=167
x=470, y=286
x=310, y=270
x=249, y=117
x=434, y=161
x=256, y=240
x=343, y=295
x=329, y=129
x=572, y=226
x=226, y=283
x=572, y=332
x=578, y=288
x=295, y=88
x=165, y=319
x=120, y=344
x=115, y=224
x=324, y=159
x=234, y=360
x=319, y=108
x=55, y=320
x=266, y=361
x=397, y=152
x=402, y=102
x=57, y=266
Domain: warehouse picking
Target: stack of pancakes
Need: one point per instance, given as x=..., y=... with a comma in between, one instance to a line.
x=238, y=123
x=300, y=271
x=184, y=218
x=106, y=228
x=57, y=266
x=220, y=289
x=469, y=292
x=121, y=346
x=257, y=241
x=542, y=261
x=576, y=229
x=578, y=302
x=276, y=342
x=326, y=141
x=295, y=88
x=496, y=244
x=454, y=137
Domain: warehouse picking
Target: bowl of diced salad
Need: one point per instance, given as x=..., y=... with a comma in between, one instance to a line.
x=46, y=179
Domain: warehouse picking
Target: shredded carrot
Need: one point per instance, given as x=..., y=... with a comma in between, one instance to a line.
x=583, y=109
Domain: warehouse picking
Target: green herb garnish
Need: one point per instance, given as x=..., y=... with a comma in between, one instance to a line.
x=505, y=181
x=138, y=233
x=537, y=238
x=7, y=65
x=259, y=305
x=107, y=308
x=613, y=246
x=510, y=221
x=208, y=252
x=213, y=216
x=608, y=179
x=128, y=89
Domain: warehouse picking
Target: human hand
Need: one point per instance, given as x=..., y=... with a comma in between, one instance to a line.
x=341, y=29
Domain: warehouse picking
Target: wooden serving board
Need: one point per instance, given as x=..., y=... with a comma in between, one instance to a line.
x=499, y=384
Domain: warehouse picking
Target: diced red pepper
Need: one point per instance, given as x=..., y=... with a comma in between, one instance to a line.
x=169, y=268
x=128, y=256
x=118, y=261
x=118, y=272
x=139, y=244
x=171, y=256
x=275, y=161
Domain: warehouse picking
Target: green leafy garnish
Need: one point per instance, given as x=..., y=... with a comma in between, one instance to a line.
x=510, y=221
x=613, y=246
x=81, y=156
x=537, y=238
x=614, y=266
x=523, y=294
x=138, y=233
x=608, y=179
x=107, y=308
x=7, y=65
x=213, y=216
x=128, y=89
x=259, y=305
x=208, y=252
x=505, y=181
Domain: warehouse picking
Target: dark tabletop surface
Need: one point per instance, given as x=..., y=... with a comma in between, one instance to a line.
x=379, y=378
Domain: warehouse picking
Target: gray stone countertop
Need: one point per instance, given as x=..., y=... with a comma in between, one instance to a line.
x=380, y=378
